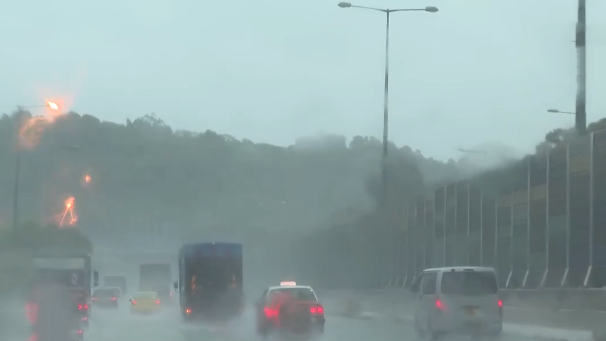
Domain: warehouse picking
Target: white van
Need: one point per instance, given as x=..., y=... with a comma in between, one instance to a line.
x=458, y=300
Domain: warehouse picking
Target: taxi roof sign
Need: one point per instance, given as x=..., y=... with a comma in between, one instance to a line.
x=288, y=283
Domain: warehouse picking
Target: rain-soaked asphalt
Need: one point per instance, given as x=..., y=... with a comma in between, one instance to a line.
x=120, y=325
x=111, y=325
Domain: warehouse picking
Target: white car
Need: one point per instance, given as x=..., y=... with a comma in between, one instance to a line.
x=457, y=300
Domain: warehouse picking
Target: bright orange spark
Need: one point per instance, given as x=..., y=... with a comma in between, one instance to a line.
x=52, y=105
x=32, y=130
x=69, y=210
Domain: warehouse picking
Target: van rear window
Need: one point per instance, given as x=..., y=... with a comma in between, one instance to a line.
x=469, y=283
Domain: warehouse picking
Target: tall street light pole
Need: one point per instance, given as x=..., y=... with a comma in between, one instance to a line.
x=387, y=12
x=580, y=42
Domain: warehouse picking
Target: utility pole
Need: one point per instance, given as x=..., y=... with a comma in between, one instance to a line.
x=16, y=191
x=580, y=42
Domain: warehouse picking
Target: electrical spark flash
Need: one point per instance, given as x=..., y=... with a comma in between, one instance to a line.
x=69, y=217
x=32, y=129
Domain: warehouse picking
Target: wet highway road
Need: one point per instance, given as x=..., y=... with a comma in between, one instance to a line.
x=120, y=325
x=112, y=325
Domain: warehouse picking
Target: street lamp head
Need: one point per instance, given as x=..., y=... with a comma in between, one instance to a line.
x=431, y=9
x=555, y=111
x=344, y=4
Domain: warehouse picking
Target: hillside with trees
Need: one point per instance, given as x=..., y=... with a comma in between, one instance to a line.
x=143, y=173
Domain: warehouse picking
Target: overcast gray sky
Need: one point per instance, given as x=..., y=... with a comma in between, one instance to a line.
x=478, y=71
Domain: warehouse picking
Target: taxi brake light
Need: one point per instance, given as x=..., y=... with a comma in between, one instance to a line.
x=270, y=313
x=317, y=310
x=288, y=283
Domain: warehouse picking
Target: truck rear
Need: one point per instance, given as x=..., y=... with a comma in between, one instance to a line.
x=73, y=273
x=211, y=280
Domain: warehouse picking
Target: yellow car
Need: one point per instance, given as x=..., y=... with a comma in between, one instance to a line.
x=145, y=302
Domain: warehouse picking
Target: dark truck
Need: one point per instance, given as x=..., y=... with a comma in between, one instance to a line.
x=157, y=278
x=116, y=281
x=72, y=272
x=210, y=280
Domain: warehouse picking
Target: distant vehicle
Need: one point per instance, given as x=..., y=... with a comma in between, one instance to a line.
x=106, y=297
x=116, y=281
x=290, y=308
x=165, y=293
x=145, y=302
x=154, y=275
x=70, y=271
x=210, y=280
x=458, y=300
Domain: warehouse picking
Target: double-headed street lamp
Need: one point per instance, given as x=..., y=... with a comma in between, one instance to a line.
x=387, y=12
x=556, y=111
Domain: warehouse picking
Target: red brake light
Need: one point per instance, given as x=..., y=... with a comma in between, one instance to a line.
x=86, y=307
x=439, y=305
x=114, y=298
x=188, y=311
x=270, y=313
x=157, y=301
x=79, y=306
x=79, y=331
x=134, y=302
x=316, y=310
x=500, y=303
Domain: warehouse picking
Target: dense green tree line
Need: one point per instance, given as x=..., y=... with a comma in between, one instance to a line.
x=143, y=173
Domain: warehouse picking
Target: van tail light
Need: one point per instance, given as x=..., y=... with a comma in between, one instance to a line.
x=440, y=306
x=157, y=301
x=317, y=310
x=500, y=303
x=270, y=313
x=114, y=298
x=79, y=331
x=188, y=310
x=134, y=302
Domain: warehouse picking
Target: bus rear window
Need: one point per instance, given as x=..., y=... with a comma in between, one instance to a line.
x=469, y=283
